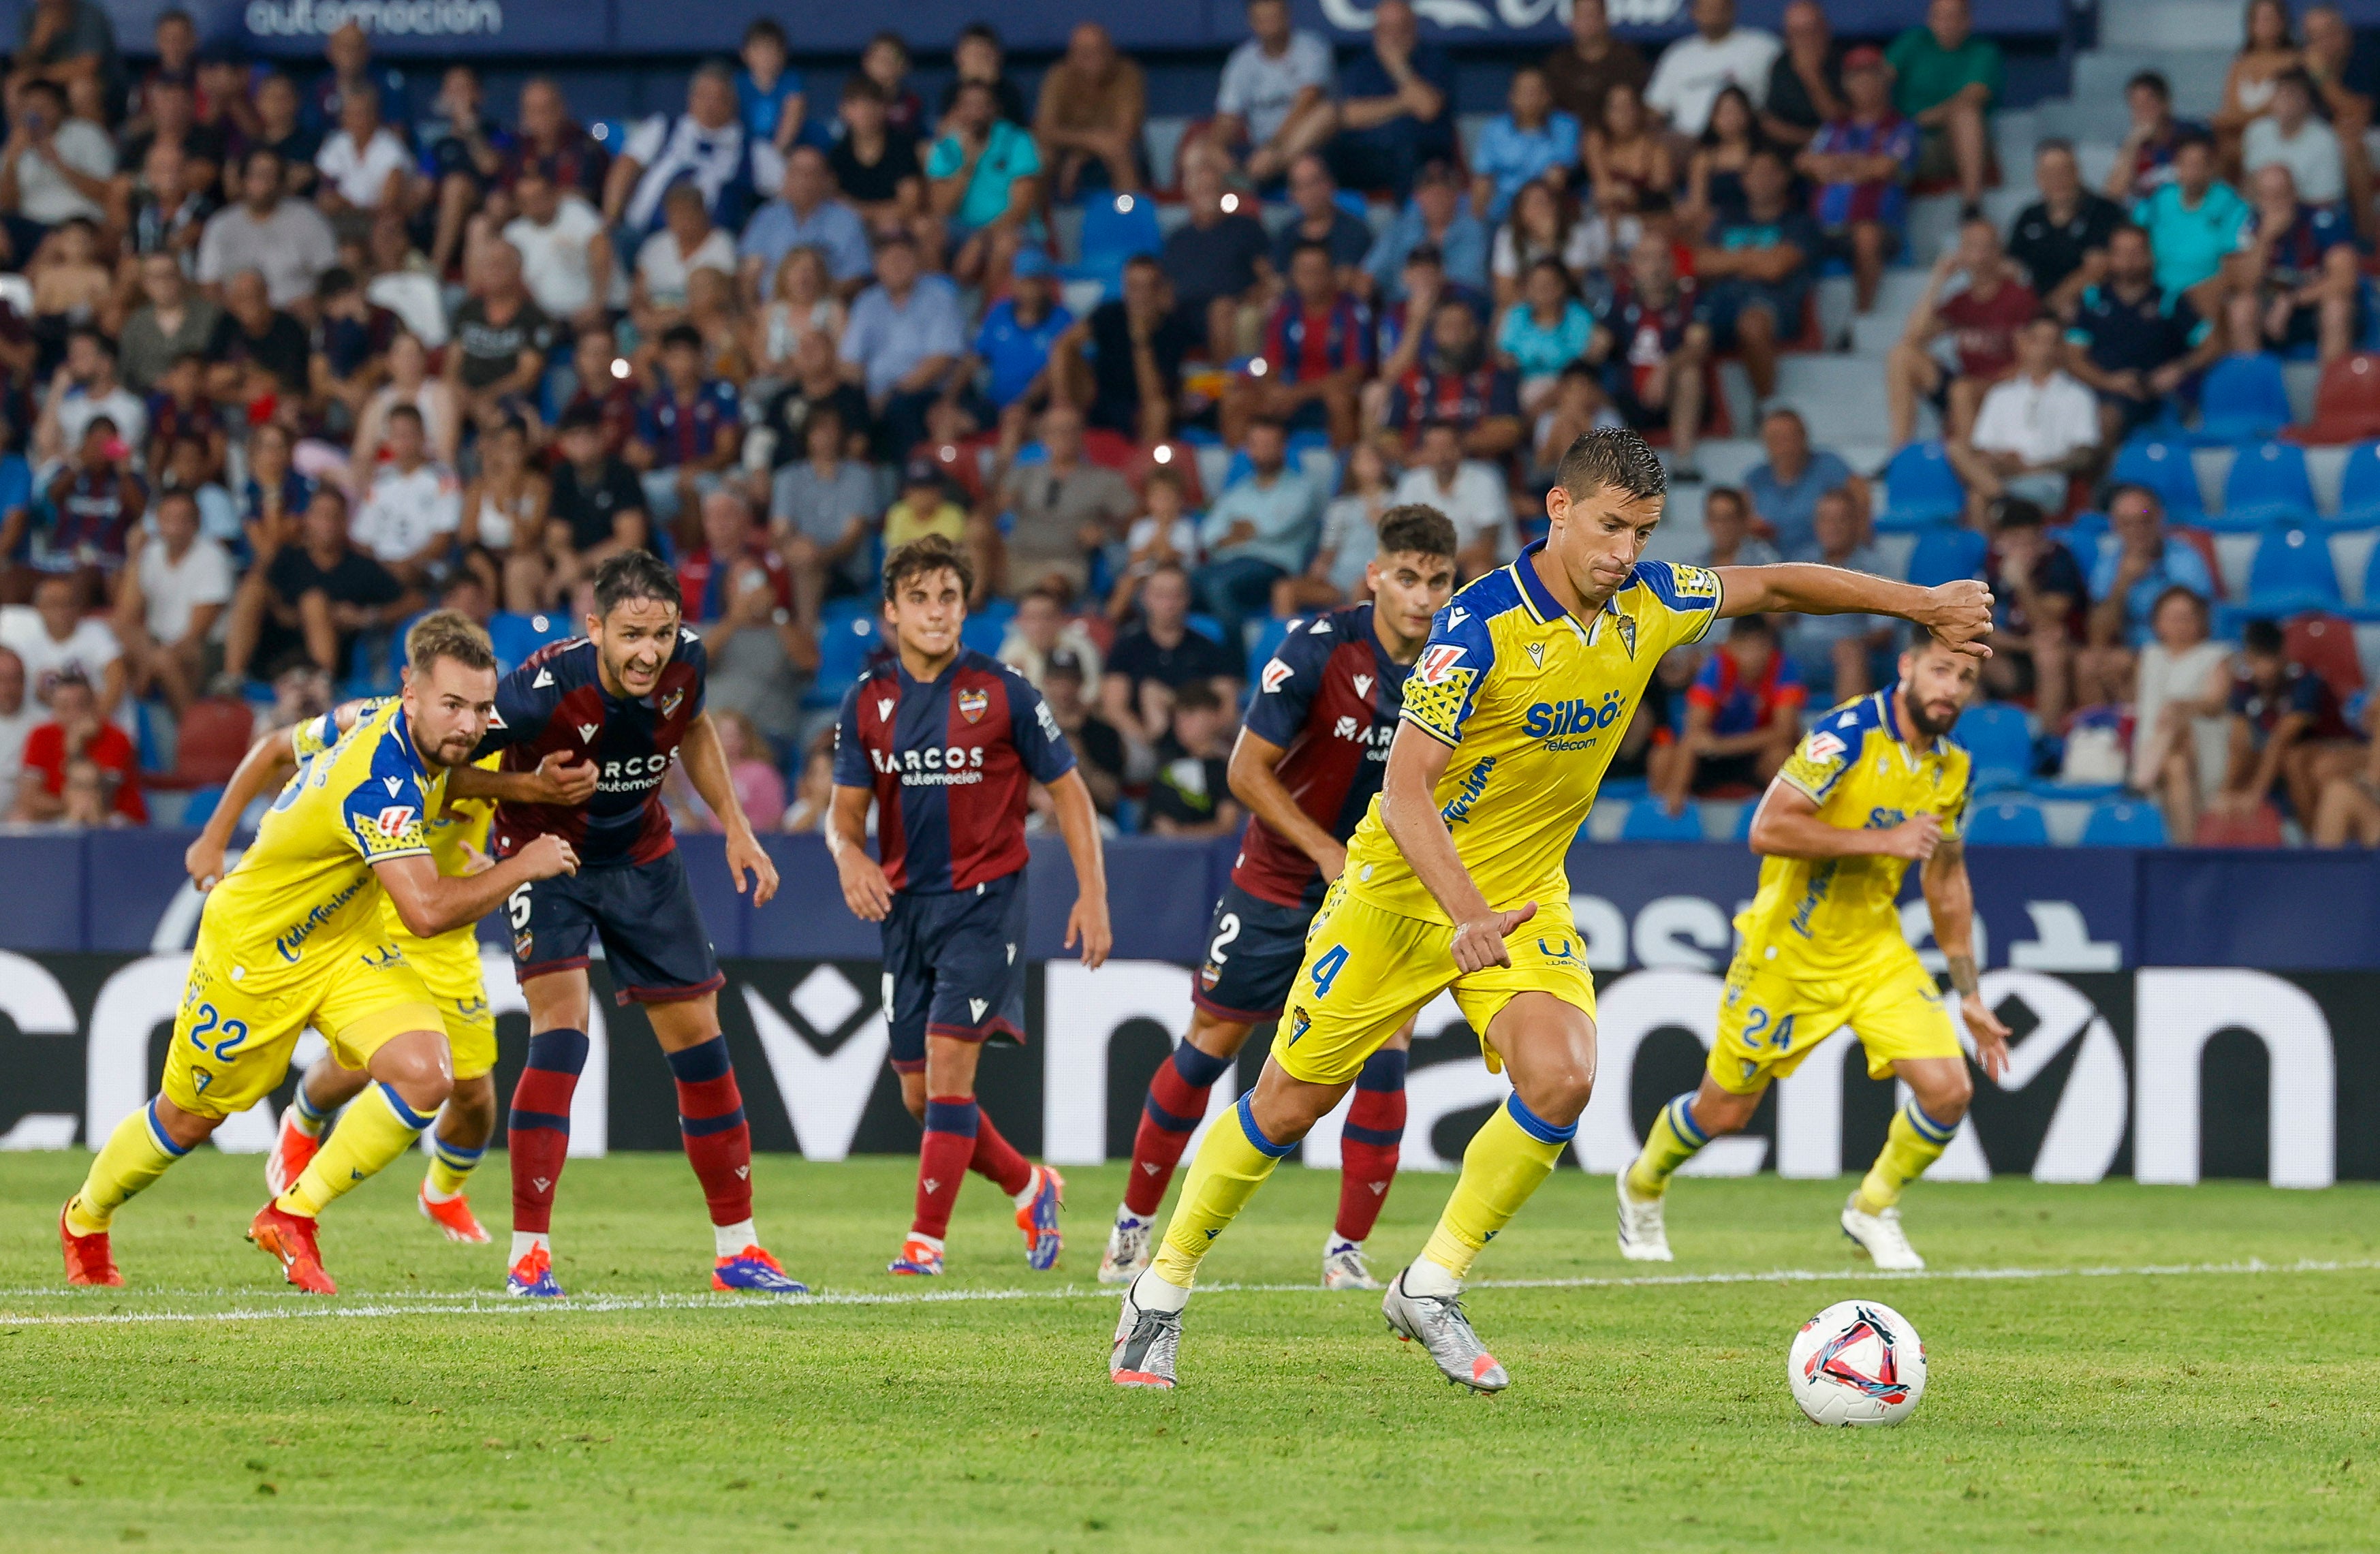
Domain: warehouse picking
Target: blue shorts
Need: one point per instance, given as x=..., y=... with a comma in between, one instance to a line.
x=955, y=966
x=645, y=916
x=1254, y=948
x=1728, y=301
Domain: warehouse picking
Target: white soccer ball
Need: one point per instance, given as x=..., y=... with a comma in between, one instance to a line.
x=1857, y=1363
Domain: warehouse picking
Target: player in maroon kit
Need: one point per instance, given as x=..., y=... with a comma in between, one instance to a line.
x=1308, y=765
x=945, y=742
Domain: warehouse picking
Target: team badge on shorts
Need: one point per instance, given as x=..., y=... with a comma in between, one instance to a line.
x=973, y=705
x=1209, y=975
x=522, y=942
x=1300, y=1022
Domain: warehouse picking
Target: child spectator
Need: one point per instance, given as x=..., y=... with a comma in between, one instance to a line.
x=1743, y=717
x=769, y=99
x=1191, y=794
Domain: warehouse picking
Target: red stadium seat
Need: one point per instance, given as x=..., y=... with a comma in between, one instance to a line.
x=2345, y=402
x=215, y=734
x=1112, y=450
x=2261, y=829
x=2203, y=544
x=1180, y=457
x=2326, y=644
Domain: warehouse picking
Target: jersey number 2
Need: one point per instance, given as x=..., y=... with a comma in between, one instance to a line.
x=234, y=1032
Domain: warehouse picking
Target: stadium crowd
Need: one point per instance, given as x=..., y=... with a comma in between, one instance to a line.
x=290, y=358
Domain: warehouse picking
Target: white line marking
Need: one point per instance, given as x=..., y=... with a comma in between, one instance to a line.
x=467, y=1303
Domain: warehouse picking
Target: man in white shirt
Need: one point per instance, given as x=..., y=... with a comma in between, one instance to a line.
x=171, y=598
x=66, y=641
x=364, y=165
x=409, y=517
x=1694, y=70
x=706, y=146
x=2035, y=429
x=1274, y=99
x=566, y=254
x=2293, y=138
x=18, y=714
x=284, y=239
x=1467, y=490
x=84, y=388
x=53, y=167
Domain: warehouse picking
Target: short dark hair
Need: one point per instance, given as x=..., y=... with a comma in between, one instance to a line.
x=2193, y=136
x=1418, y=528
x=1729, y=493
x=1312, y=245
x=682, y=334
x=338, y=280
x=96, y=336
x=581, y=418
x=2123, y=227
x=409, y=412
x=2117, y=491
x=626, y=575
x=2265, y=639
x=1441, y=423
x=2153, y=79
x=765, y=27
x=1614, y=457
x=857, y=86
x=2044, y=146
x=922, y=558
x=980, y=31
x=2015, y=512
x=1753, y=626
x=1197, y=696
x=448, y=634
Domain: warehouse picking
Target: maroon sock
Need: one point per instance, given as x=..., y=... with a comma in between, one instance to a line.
x=996, y=1160
x=710, y=1121
x=950, y=1122
x=537, y=1135
x=1367, y=1146
x=1177, y=1101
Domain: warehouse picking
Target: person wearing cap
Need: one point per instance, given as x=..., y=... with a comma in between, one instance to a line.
x=1862, y=162
x=1099, y=748
x=1439, y=215
x=1010, y=356
x=923, y=507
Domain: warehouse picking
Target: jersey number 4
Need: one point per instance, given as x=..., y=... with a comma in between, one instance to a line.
x=1326, y=970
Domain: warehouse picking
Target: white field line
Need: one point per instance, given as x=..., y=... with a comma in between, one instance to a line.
x=294, y=1305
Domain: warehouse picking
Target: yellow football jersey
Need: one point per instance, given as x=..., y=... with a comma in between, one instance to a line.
x=459, y=823
x=304, y=888
x=1534, y=702
x=1822, y=916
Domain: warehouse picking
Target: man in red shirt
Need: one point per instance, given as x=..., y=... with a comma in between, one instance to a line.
x=77, y=733
x=1981, y=320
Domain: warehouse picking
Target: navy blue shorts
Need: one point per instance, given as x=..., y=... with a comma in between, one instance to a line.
x=954, y=965
x=1254, y=948
x=644, y=913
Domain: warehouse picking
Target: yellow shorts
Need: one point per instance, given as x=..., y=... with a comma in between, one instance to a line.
x=231, y=1047
x=1768, y=1021
x=449, y=965
x=1369, y=970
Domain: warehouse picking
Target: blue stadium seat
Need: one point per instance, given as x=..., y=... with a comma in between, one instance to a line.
x=1920, y=490
x=2291, y=572
x=847, y=634
x=1945, y=555
x=1994, y=734
x=1744, y=819
x=986, y=628
x=2165, y=467
x=516, y=637
x=1115, y=227
x=2082, y=535
x=1647, y=821
x=2124, y=822
x=2359, y=489
x=1205, y=626
x=2243, y=400
x=2006, y=822
x=1271, y=632
x=203, y=803
x=2267, y=485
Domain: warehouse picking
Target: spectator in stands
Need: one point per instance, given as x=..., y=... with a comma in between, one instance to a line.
x=94, y=500
x=275, y=123
x=504, y=515
x=820, y=511
x=347, y=348
x=56, y=166
x=1714, y=189
x=264, y=354
x=1350, y=536
x=875, y=165
x=706, y=146
x=165, y=210
x=566, y=254
x=1123, y=363
x=1273, y=101
x=1980, y=320
x=2289, y=739
x=690, y=433
x=1062, y=508
x=1165, y=535
x=769, y=96
x=171, y=321
x=1438, y=216
x=2295, y=279
x=2036, y=430
x=71, y=643
x=978, y=57
x=1784, y=489
x=2268, y=49
x=1654, y=348
x=1861, y=162
x=413, y=507
x=904, y=333
x=1544, y=330
x=2181, y=707
x=984, y=180
x=2061, y=238
x=1153, y=661
x=348, y=49
x=409, y=383
x=1216, y=260
x=175, y=594
x=282, y=238
x=667, y=261
x=1805, y=84
x=1630, y=161
x=502, y=340
x=1099, y=748
x=1728, y=539
x=2346, y=78
x=1191, y=793
x=741, y=591
x=1012, y=349
x=1093, y=107
x=1583, y=71
x=597, y=506
x=1530, y=141
x=2292, y=137
x=1042, y=628
x=1539, y=226
x=885, y=61
x=174, y=37
x=312, y=603
x=805, y=215
x=1468, y=490
x=20, y=715
x=2126, y=584
x=2193, y=223
x=1316, y=354
x=816, y=382
x=85, y=386
x=1947, y=78
x=1837, y=656
x=2144, y=159
x=925, y=508
x=2132, y=342
x=174, y=125
x=1743, y=717
x=801, y=302
x=1394, y=109
x=78, y=748
x=1718, y=54
x=273, y=497
x=181, y=408
x=2038, y=599
x=1321, y=219
x=364, y=167
x=1756, y=273
x=1455, y=378
x=66, y=43
x=1259, y=532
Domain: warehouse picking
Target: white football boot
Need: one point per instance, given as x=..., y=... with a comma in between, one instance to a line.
x=1644, y=1236
x=1879, y=1235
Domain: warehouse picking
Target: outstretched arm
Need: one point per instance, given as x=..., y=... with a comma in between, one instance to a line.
x=706, y=767
x=1950, y=899
x=1409, y=810
x=1959, y=613
x=1079, y=822
x=266, y=766
x=557, y=779
x=1787, y=826
x=431, y=904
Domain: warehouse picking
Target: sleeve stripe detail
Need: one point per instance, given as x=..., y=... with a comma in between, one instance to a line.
x=1804, y=788
x=399, y=852
x=1405, y=718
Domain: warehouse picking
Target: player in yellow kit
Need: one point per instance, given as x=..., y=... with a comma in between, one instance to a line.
x=1455, y=879
x=1874, y=787
x=294, y=937
x=448, y=965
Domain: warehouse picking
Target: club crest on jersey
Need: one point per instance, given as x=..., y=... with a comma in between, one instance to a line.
x=1209, y=975
x=1275, y=674
x=1437, y=663
x=1626, y=627
x=669, y=703
x=973, y=704
x=523, y=942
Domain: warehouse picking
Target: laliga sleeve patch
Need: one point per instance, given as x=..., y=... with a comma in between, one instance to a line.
x=1275, y=674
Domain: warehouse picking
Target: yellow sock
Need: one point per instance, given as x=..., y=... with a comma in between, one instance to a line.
x=1670, y=1143
x=450, y=1166
x=135, y=1154
x=1507, y=1160
x=374, y=1130
x=1913, y=1142
x=1232, y=1164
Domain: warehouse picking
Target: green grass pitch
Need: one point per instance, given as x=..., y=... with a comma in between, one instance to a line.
x=2230, y=1401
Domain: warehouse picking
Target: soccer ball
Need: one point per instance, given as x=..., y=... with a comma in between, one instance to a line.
x=1857, y=1363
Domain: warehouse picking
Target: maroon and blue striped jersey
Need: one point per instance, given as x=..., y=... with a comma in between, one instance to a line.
x=555, y=700
x=1305, y=346
x=1329, y=699
x=950, y=761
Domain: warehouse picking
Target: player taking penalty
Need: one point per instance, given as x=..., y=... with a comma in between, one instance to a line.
x=1455, y=879
x=294, y=935
x=1873, y=788
x=1307, y=765
x=944, y=743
